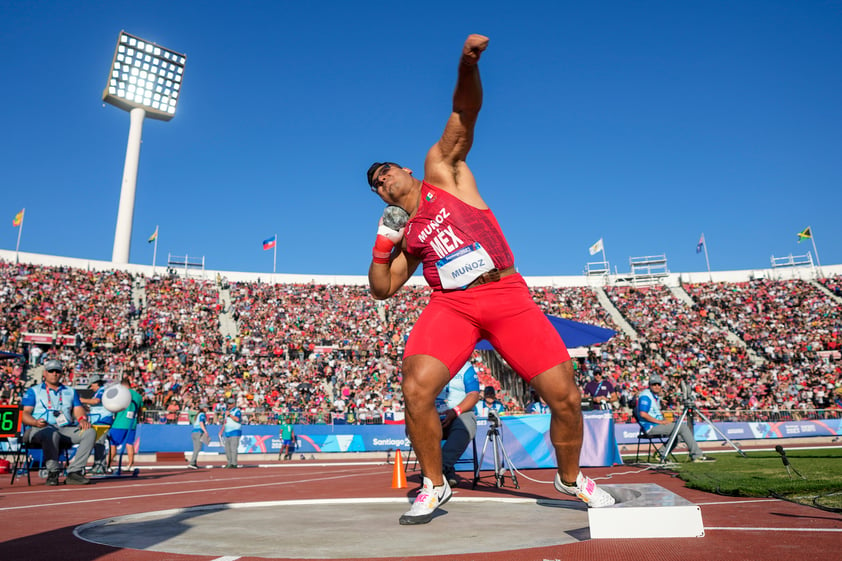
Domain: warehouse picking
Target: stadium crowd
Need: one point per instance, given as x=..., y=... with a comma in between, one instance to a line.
x=330, y=353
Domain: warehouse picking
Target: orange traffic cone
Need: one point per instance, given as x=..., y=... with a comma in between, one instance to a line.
x=398, y=474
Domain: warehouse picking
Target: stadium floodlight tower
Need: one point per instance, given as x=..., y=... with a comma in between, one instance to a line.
x=145, y=79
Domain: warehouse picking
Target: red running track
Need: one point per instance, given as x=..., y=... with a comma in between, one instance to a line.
x=38, y=521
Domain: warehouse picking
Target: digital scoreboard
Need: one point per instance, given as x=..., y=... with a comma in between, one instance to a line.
x=9, y=421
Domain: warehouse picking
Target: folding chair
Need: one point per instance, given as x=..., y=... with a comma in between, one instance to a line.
x=25, y=459
x=653, y=441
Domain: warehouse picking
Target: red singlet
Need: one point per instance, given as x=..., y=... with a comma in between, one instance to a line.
x=444, y=224
x=456, y=320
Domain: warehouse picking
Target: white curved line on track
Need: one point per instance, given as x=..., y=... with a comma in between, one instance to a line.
x=181, y=492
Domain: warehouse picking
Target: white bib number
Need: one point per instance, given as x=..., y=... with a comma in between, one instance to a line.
x=463, y=266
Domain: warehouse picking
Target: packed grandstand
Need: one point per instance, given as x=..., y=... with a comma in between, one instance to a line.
x=751, y=345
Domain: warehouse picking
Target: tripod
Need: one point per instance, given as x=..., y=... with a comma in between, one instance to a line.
x=690, y=409
x=502, y=462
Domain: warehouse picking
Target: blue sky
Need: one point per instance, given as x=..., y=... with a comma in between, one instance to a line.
x=642, y=123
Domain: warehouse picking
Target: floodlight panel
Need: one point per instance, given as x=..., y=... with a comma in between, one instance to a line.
x=144, y=75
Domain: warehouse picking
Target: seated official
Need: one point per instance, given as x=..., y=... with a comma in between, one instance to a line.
x=455, y=405
x=648, y=413
x=56, y=419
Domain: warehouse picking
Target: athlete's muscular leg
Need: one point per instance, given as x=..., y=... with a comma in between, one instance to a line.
x=423, y=379
x=559, y=390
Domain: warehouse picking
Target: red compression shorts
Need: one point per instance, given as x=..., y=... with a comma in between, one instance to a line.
x=503, y=312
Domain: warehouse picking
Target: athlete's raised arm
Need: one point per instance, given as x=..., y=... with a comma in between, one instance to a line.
x=445, y=165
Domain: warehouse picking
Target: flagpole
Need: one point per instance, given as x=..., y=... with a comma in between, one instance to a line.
x=20, y=229
x=705, y=245
x=275, y=254
x=605, y=257
x=812, y=238
x=155, y=250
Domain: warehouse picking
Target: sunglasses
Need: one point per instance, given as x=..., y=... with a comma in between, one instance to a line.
x=375, y=180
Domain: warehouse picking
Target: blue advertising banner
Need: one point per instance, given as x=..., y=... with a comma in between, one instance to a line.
x=703, y=432
x=525, y=438
x=265, y=439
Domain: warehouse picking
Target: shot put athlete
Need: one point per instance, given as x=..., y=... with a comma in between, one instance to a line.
x=477, y=294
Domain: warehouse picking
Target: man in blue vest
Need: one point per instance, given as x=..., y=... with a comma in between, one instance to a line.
x=455, y=405
x=56, y=419
x=648, y=414
x=230, y=433
x=199, y=434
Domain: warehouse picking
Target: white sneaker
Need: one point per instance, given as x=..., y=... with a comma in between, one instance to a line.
x=586, y=490
x=426, y=503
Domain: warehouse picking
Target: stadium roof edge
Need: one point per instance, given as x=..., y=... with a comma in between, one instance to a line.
x=672, y=279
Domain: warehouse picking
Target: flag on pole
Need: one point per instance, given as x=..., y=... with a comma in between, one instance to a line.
x=805, y=235
x=18, y=219
x=701, y=245
x=596, y=248
x=270, y=242
x=154, y=236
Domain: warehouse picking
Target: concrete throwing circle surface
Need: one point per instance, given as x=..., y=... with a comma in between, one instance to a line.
x=345, y=528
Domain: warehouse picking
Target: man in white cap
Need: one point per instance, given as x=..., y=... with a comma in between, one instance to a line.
x=648, y=414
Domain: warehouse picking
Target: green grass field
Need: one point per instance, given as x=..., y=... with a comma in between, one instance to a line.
x=763, y=474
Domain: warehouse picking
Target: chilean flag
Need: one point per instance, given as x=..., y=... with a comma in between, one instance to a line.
x=270, y=243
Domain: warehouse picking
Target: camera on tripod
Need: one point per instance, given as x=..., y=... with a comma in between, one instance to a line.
x=688, y=396
x=502, y=462
x=688, y=400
